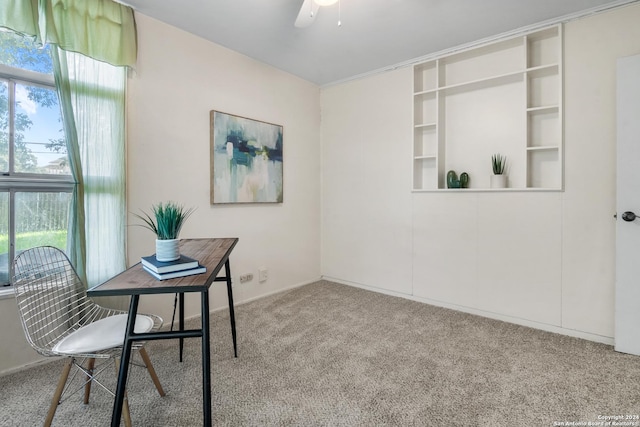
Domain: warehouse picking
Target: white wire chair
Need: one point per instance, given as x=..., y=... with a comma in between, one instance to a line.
x=60, y=320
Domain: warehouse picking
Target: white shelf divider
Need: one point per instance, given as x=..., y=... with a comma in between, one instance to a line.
x=452, y=121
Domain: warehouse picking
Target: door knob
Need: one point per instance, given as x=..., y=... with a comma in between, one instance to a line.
x=629, y=216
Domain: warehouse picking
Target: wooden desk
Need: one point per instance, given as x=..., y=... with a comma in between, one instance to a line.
x=211, y=253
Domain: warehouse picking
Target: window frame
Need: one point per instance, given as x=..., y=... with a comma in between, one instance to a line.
x=11, y=181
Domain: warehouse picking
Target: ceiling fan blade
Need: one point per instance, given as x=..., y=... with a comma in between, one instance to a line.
x=307, y=14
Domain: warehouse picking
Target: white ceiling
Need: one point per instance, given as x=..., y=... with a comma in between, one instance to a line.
x=374, y=34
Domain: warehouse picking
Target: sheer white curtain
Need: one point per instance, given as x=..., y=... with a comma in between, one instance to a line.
x=92, y=96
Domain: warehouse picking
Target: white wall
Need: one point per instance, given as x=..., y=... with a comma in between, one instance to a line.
x=540, y=259
x=178, y=80
x=366, y=208
x=589, y=204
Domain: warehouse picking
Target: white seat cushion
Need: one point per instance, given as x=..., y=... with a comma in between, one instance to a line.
x=101, y=335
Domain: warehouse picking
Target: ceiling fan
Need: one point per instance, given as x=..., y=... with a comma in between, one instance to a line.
x=309, y=10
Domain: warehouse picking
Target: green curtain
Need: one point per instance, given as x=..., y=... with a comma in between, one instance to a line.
x=76, y=238
x=20, y=16
x=100, y=29
x=92, y=96
x=93, y=41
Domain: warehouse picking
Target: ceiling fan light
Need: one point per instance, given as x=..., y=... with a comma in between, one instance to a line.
x=325, y=2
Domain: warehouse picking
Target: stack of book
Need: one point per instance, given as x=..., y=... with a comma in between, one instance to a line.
x=183, y=266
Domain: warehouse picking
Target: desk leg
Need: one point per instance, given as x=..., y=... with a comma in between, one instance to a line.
x=181, y=323
x=232, y=315
x=124, y=362
x=206, y=361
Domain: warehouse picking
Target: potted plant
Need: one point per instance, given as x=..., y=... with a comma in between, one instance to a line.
x=498, y=164
x=167, y=221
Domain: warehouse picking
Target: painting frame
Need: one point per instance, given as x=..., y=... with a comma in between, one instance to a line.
x=246, y=160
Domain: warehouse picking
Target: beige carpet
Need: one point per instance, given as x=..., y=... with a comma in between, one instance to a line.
x=332, y=355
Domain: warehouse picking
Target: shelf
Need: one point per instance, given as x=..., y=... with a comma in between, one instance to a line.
x=503, y=97
x=543, y=148
x=544, y=47
x=543, y=86
x=479, y=82
x=425, y=174
x=543, y=169
x=544, y=127
x=480, y=63
x=544, y=109
x=484, y=190
x=425, y=110
x=425, y=142
x=543, y=70
x=504, y=78
x=425, y=77
x=426, y=92
x=539, y=71
x=425, y=126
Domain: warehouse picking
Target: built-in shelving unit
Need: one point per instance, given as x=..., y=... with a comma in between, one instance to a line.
x=504, y=97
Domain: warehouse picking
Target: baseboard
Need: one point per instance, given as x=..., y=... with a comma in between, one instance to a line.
x=29, y=365
x=496, y=316
x=248, y=300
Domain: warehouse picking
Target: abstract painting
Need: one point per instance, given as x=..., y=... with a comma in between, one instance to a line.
x=246, y=160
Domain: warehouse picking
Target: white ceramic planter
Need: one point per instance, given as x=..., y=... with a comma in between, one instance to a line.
x=167, y=250
x=498, y=181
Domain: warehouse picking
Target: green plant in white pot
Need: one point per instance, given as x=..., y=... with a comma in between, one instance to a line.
x=167, y=221
x=498, y=164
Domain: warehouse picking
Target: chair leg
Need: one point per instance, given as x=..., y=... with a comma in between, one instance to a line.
x=56, y=396
x=125, y=404
x=152, y=371
x=125, y=411
x=89, y=380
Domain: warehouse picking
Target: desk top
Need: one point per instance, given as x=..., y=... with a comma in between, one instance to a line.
x=211, y=253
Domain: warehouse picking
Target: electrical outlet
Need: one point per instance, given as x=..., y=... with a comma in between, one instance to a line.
x=263, y=274
x=246, y=277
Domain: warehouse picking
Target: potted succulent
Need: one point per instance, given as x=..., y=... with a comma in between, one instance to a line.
x=167, y=221
x=498, y=164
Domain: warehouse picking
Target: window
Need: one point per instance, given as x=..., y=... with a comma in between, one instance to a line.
x=35, y=179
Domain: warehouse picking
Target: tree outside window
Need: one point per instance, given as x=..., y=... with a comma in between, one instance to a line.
x=35, y=182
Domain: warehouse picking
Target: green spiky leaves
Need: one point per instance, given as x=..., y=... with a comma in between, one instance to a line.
x=498, y=162
x=167, y=221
